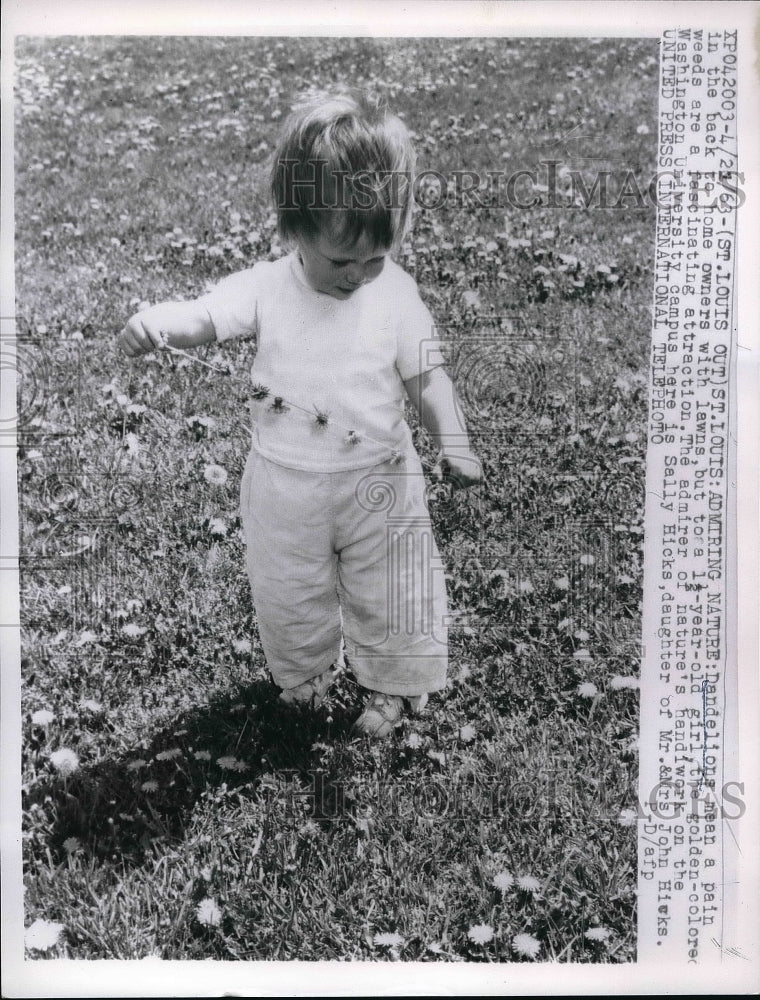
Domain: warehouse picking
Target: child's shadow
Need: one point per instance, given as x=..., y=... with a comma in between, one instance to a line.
x=119, y=807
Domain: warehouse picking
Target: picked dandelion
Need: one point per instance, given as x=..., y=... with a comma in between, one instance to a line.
x=321, y=419
x=279, y=405
x=480, y=933
x=353, y=438
x=259, y=391
x=208, y=913
x=42, y=935
x=65, y=761
x=526, y=945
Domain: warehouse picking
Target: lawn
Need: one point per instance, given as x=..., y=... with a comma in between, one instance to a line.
x=172, y=806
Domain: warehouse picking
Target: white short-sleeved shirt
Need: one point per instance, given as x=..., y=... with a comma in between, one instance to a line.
x=344, y=358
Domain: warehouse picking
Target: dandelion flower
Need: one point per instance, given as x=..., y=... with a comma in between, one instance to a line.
x=241, y=646
x=467, y=733
x=388, y=940
x=526, y=945
x=231, y=764
x=628, y=817
x=642, y=129
x=435, y=947
x=215, y=474
x=42, y=935
x=562, y=583
x=587, y=559
x=133, y=631
x=618, y=682
x=149, y=786
x=587, y=690
x=528, y=884
x=90, y=705
x=581, y=654
x=581, y=635
x=413, y=741
x=135, y=765
x=169, y=754
x=437, y=756
x=42, y=717
x=71, y=845
x=480, y=933
x=597, y=934
x=208, y=913
x=202, y=755
x=218, y=527
x=503, y=881
x=65, y=761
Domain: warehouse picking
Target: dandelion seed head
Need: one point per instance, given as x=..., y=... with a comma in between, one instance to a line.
x=526, y=945
x=480, y=933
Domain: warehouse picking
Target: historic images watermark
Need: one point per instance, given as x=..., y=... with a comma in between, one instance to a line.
x=550, y=183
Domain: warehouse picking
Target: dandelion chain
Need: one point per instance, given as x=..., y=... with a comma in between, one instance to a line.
x=281, y=405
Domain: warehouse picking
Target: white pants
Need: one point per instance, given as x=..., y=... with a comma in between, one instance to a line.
x=349, y=552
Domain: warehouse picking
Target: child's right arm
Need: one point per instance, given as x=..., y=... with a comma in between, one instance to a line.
x=178, y=324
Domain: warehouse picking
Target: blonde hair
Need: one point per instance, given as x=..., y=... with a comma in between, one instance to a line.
x=343, y=153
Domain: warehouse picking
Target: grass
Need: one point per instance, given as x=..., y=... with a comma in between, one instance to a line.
x=141, y=175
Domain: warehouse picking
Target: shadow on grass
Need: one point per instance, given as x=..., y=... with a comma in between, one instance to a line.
x=118, y=807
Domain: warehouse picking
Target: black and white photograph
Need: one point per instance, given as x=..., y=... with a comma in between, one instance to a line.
x=371, y=609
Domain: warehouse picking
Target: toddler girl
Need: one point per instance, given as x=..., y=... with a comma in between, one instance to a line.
x=339, y=546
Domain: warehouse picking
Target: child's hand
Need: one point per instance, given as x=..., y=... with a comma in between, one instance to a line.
x=463, y=469
x=144, y=332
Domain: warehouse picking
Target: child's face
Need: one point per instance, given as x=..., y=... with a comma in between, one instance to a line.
x=338, y=270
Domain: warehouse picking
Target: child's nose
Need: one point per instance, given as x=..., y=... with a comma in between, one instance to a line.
x=355, y=274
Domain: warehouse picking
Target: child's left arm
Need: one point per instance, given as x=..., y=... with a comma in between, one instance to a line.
x=434, y=397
